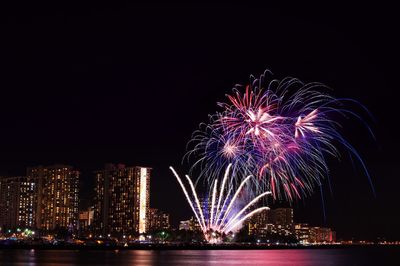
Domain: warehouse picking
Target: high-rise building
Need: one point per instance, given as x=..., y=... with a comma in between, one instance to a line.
x=26, y=203
x=322, y=235
x=282, y=218
x=258, y=223
x=56, y=197
x=9, y=193
x=122, y=200
x=302, y=233
x=17, y=202
x=190, y=225
x=158, y=220
x=274, y=221
x=314, y=235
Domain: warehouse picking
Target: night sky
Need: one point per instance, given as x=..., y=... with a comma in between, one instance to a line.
x=87, y=85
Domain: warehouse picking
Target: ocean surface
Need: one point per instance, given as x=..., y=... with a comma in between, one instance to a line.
x=300, y=257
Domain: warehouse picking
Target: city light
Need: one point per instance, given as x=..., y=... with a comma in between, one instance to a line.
x=143, y=201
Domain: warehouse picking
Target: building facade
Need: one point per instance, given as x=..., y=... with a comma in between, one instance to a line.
x=158, y=220
x=258, y=223
x=17, y=204
x=190, y=225
x=282, y=218
x=122, y=198
x=322, y=235
x=302, y=232
x=274, y=221
x=56, y=197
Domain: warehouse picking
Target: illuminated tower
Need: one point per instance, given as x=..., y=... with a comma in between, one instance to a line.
x=258, y=223
x=56, y=197
x=17, y=202
x=158, y=220
x=302, y=232
x=282, y=218
x=26, y=202
x=122, y=200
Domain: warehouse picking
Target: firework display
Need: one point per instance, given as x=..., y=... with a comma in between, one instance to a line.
x=271, y=137
x=279, y=131
x=219, y=215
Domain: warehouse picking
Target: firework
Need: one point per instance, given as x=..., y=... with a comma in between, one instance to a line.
x=278, y=131
x=224, y=214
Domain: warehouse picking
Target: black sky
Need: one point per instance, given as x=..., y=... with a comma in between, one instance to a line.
x=91, y=84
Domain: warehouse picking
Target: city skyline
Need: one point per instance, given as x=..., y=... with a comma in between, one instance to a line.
x=133, y=94
x=40, y=180
x=45, y=202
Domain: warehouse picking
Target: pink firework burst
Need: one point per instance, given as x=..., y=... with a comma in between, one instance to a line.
x=278, y=131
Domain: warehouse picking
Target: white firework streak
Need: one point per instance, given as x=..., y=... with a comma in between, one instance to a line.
x=221, y=193
x=187, y=196
x=210, y=225
x=197, y=201
x=246, y=217
x=244, y=209
x=228, y=209
x=229, y=220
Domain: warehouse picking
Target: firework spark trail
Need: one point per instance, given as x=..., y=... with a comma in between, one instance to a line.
x=230, y=219
x=245, y=209
x=277, y=131
x=213, y=204
x=278, y=134
x=246, y=217
x=187, y=195
x=222, y=211
x=221, y=193
x=228, y=209
x=197, y=200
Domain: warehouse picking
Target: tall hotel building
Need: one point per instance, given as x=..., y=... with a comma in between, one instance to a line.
x=56, y=198
x=121, y=204
x=17, y=204
x=275, y=221
x=158, y=220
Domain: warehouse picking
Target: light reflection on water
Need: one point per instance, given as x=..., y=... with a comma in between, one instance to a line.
x=299, y=257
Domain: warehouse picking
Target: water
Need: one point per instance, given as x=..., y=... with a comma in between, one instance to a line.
x=300, y=257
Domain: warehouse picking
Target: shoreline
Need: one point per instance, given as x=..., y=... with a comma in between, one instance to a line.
x=190, y=247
